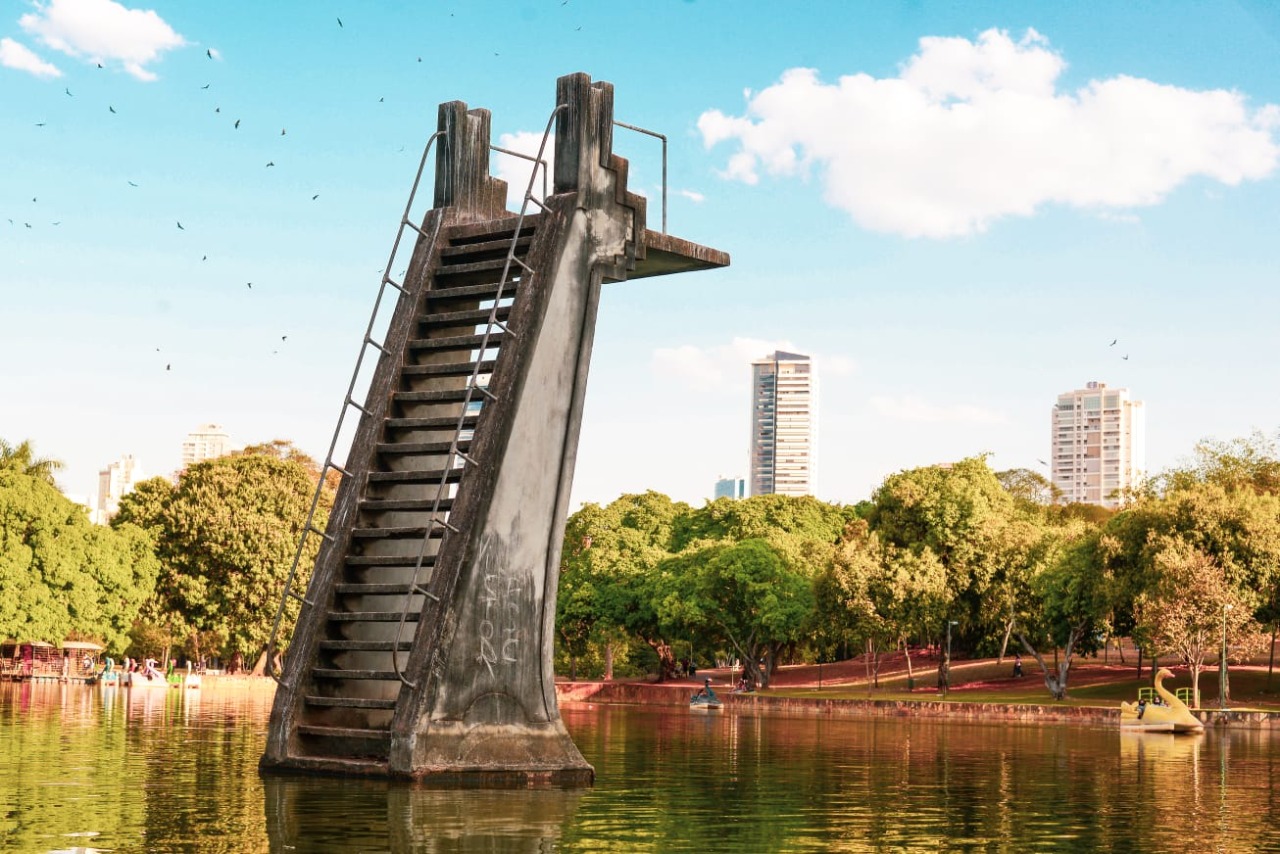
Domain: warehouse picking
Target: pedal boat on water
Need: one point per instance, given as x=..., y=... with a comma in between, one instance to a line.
x=705, y=700
x=1171, y=715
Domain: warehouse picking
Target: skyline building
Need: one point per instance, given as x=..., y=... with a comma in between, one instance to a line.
x=731, y=487
x=114, y=481
x=206, y=442
x=783, y=424
x=1098, y=447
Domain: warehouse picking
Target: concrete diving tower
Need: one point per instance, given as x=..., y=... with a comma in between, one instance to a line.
x=423, y=647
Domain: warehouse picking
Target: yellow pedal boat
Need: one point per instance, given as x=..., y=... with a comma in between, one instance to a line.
x=1170, y=716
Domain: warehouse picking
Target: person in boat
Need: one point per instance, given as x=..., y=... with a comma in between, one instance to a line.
x=1142, y=707
x=149, y=670
x=705, y=693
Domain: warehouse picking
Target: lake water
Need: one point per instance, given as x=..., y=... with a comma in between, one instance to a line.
x=87, y=769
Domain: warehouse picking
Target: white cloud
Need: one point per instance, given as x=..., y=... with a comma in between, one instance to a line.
x=515, y=170
x=972, y=131
x=693, y=196
x=22, y=58
x=727, y=366
x=103, y=31
x=918, y=410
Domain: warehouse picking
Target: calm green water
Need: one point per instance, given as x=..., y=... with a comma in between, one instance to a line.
x=86, y=769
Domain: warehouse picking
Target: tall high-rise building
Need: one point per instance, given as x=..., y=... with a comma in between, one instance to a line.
x=206, y=442
x=114, y=481
x=783, y=424
x=731, y=487
x=1099, y=444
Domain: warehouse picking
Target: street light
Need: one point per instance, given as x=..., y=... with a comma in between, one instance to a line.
x=946, y=661
x=1222, y=667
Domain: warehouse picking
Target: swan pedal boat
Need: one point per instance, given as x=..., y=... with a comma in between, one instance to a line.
x=704, y=703
x=1173, y=716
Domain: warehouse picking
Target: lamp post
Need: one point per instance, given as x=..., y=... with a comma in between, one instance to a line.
x=946, y=661
x=1222, y=666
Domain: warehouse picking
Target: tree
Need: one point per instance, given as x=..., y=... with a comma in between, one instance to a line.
x=63, y=577
x=1029, y=486
x=744, y=595
x=21, y=458
x=1251, y=462
x=226, y=535
x=1072, y=598
x=1189, y=605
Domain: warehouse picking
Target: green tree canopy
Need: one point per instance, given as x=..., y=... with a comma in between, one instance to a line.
x=22, y=458
x=61, y=576
x=226, y=535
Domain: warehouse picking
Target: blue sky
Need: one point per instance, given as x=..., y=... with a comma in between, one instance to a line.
x=956, y=208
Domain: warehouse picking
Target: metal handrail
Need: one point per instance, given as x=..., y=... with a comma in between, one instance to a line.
x=528, y=157
x=662, y=137
x=329, y=464
x=473, y=385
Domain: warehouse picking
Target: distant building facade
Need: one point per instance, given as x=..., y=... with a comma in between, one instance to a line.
x=207, y=442
x=783, y=424
x=114, y=482
x=1099, y=444
x=731, y=487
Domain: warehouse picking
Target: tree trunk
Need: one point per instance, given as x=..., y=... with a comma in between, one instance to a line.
x=1139, y=662
x=1120, y=649
x=1195, y=683
x=1155, y=665
x=1057, y=688
x=1004, y=644
x=573, y=668
x=608, y=661
x=260, y=666
x=906, y=650
x=1271, y=665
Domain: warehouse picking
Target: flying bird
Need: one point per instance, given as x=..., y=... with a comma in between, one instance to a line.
x=206, y=86
x=111, y=108
x=180, y=228
x=59, y=222
x=282, y=131
x=237, y=125
x=284, y=337
x=1125, y=357
x=204, y=257
x=316, y=196
x=40, y=124
x=271, y=163
x=209, y=53
x=250, y=284
x=340, y=22
x=168, y=366
x=67, y=89
x=217, y=109
x=131, y=184
x=27, y=224
x=100, y=65
x=380, y=100
x=1042, y=462
x=1113, y=342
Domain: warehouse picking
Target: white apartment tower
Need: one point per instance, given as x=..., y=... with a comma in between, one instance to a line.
x=114, y=481
x=783, y=424
x=1099, y=444
x=206, y=442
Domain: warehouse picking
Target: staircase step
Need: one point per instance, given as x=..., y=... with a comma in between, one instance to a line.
x=336, y=673
x=399, y=561
x=490, y=290
x=393, y=449
x=416, y=532
x=383, y=505
x=417, y=476
x=468, y=267
x=503, y=229
x=457, y=342
x=344, y=732
x=452, y=369
x=372, y=616
x=366, y=645
x=438, y=422
x=349, y=702
x=371, y=588
x=473, y=317
x=502, y=245
x=449, y=395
